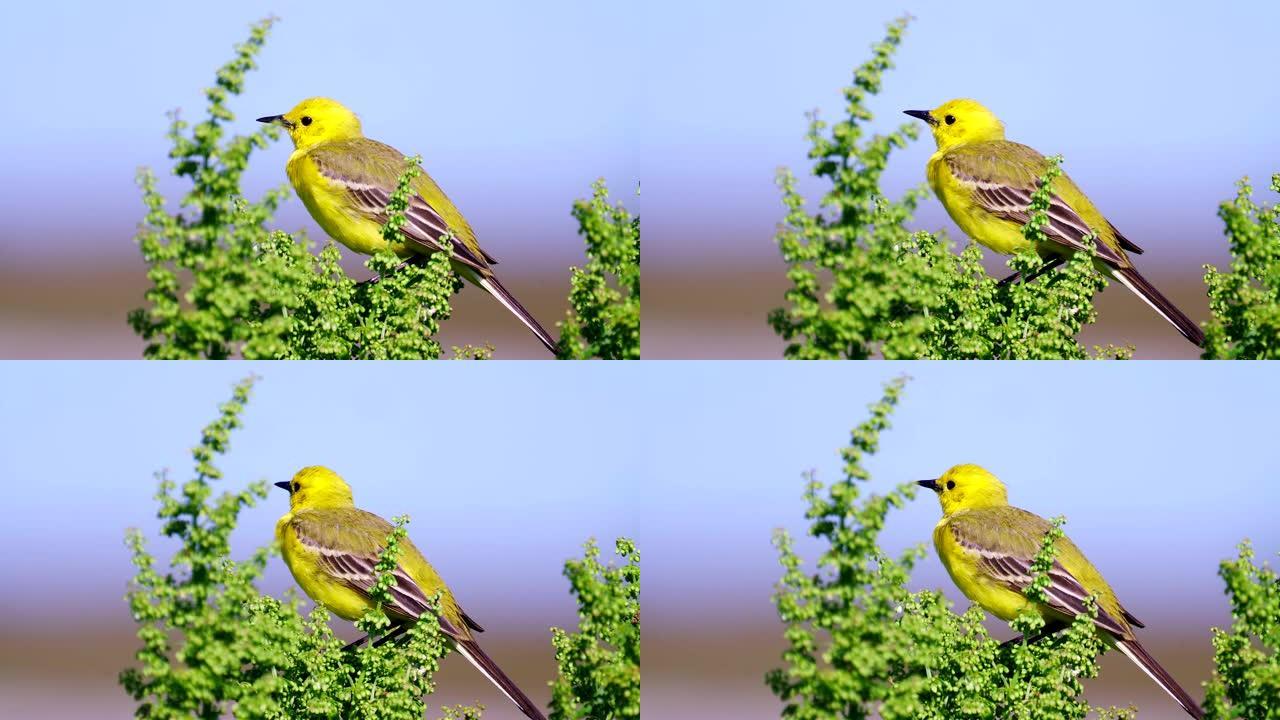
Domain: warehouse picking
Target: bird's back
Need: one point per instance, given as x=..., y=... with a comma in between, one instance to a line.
x=968, y=535
x=957, y=172
x=311, y=538
x=325, y=174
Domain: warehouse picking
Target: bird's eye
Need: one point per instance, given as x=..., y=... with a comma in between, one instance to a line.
x=951, y=484
x=306, y=119
x=950, y=120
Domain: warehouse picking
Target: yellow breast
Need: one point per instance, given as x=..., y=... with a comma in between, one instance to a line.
x=331, y=207
x=1000, y=235
x=962, y=564
x=340, y=599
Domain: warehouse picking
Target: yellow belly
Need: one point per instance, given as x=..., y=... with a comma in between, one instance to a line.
x=329, y=206
x=1002, y=236
x=962, y=566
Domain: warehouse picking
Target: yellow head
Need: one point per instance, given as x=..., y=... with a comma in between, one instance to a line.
x=317, y=487
x=957, y=122
x=965, y=487
x=316, y=120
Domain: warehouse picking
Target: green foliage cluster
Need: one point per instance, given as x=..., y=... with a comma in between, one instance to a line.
x=189, y=616
x=222, y=285
x=604, y=320
x=1246, y=681
x=860, y=645
x=599, y=676
x=1246, y=300
x=862, y=284
x=212, y=646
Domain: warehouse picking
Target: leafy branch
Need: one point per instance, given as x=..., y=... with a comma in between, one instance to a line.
x=604, y=320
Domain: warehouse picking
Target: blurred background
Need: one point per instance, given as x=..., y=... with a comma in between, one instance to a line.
x=1157, y=114
x=515, y=108
x=698, y=462
x=497, y=508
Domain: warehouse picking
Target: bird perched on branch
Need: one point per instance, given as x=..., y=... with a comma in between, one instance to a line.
x=346, y=180
x=331, y=547
x=985, y=182
x=988, y=546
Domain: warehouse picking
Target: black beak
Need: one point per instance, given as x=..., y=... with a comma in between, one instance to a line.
x=285, y=485
x=277, y=120
x=922, y=115
x=931, y=484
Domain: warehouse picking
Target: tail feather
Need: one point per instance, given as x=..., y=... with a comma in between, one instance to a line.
x=1143, y=659
x=1131, y=279
x=471, y=651
x=504, y=296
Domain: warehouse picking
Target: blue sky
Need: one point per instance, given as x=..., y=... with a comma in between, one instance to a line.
x=1161, y=468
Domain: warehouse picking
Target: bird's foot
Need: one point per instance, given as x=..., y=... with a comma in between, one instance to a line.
x=1014, y=641
x=1049, y=265
x=414, y=260
x=1050, y=629
x=394, y=634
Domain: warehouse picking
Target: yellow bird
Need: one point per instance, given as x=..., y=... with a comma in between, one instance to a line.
x=985, y=182
x=346, y=180
x=331, y=547
x=987, y=546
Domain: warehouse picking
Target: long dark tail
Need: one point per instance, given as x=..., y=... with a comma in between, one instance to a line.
x=471, y=651
x=1131, y=279
x=1143, y=659
x=510, y=302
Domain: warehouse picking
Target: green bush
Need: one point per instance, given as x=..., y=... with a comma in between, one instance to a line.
x=223, y=285
x=1246, y=301
x=1246, y=678
x=604, y=321
x=600, y=664
x=860, y=645
x=213, y=646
